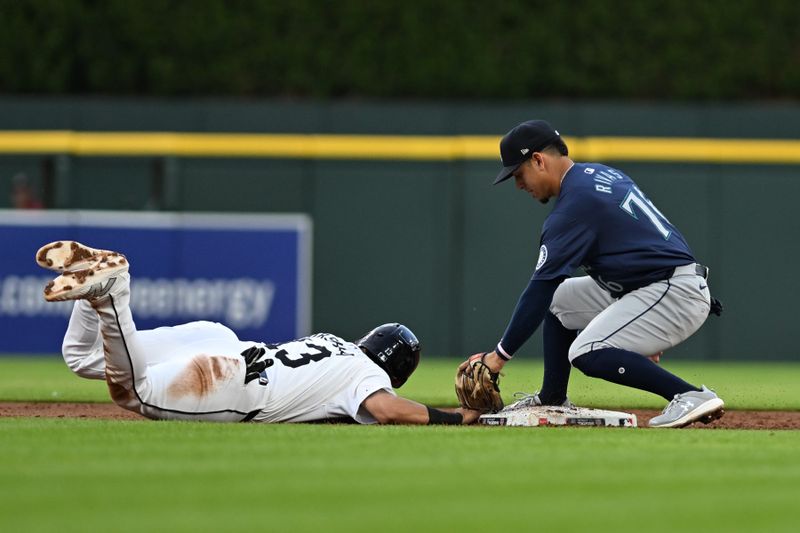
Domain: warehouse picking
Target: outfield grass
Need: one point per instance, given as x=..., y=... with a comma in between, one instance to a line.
x=87, y=475
x=742, y=385
x=92, y=475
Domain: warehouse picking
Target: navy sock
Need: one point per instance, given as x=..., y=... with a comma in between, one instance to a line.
x=557, y=340
x=632, y=370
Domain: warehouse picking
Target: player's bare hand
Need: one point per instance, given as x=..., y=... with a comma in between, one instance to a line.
x=470, y=416
x=494, y=362
x=656, y=357
x=254, y=363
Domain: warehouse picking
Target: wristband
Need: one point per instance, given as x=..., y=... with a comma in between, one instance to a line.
x=501, y=353
x=435, y=416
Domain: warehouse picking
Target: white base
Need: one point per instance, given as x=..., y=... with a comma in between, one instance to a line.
x=558, y=416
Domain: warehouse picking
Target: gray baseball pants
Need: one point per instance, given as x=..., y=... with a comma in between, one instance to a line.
x=648, y=320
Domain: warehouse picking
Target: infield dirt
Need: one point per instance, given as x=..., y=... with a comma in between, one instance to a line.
x=105, y=411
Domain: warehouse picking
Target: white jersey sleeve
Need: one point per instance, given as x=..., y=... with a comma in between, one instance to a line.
x=320, y=377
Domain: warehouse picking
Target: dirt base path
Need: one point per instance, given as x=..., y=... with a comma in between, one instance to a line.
x=736, y=419
x=107, y=411
x=104, y=411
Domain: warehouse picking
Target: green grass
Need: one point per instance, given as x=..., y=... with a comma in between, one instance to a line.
x=85, y=475
x=90, y=475
x=743, y=385
x=770, y=386
x=46, y=379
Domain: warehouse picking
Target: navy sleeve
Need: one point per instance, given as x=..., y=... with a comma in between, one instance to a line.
x=565, y=243
x=531, y=308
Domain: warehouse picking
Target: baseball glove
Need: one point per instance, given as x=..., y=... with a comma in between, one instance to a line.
x=477, y=387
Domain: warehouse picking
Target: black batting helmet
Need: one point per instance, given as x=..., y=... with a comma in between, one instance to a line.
x=394, y=348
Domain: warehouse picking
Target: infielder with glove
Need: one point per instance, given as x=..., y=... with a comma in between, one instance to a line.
x=645, y=292
x=202, y=371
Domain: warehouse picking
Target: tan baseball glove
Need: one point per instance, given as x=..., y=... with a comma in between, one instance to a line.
x=477, y=387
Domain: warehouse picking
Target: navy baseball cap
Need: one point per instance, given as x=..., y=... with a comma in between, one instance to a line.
x=519, y=144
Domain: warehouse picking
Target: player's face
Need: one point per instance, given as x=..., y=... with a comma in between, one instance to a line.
x=532, y=177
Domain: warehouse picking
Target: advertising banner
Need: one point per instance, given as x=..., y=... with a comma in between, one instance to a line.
x=250, y=272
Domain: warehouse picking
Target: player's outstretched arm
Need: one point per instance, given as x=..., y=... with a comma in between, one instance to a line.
x=390, y=409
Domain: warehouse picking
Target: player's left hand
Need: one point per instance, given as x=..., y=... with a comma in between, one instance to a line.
x=255, y=365
x=477, y=386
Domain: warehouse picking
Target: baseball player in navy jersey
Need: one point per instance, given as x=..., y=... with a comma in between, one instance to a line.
x=202, y=371
x=645, y=292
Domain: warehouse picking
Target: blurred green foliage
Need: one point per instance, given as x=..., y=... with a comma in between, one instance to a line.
x=453, y=49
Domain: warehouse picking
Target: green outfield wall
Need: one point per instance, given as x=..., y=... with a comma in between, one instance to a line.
x=407, y=224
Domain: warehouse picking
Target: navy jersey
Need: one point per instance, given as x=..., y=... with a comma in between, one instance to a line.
x=604, y=223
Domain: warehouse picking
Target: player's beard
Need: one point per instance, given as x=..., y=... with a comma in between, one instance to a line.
x=544, y=200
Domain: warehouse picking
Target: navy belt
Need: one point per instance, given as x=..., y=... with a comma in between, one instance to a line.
x=696, y=268
x=687, y=270
x=701, y=270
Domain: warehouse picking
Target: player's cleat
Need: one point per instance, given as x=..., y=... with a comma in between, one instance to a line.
x=693, y=406
x=531, y=400
x=69, y=255
x=94, y=281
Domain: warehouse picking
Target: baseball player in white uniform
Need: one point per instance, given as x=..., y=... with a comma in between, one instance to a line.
x=202, y=371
